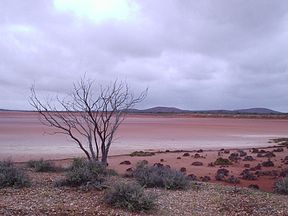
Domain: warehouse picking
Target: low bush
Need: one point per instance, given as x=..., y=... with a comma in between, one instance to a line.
x=141, y=154
x=222, y=161
x=233, y=180
x=83, y=172
x=130, y=196
x=11, y=176
x=281, y=186
x=160, y=176
x=41, y=165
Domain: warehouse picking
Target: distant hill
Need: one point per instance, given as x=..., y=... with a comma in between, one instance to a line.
x=162, y=109
x=257, y=111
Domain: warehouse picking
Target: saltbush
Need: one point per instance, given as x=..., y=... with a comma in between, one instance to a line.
x=41, y=165
x=11, y=176
x=281, y=186
x=130, y=196
x=141, y=154
x=83, y=172
x=222, y=161
x=160, y=176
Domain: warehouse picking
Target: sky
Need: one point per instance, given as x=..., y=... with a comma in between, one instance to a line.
x=191, y=54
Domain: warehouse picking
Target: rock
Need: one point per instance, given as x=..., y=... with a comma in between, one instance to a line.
x=183, y=169
x=268, y=163
x=247, y=165
x=197, y=163
x=248, y=158
x=161, y=160
x=200, y=151
x=125, y=162
x=197, y=155
x=167, y=150
x=178, y=158
x=186, y=154
x=129, y=169
x=168, y=166
x=286, y=158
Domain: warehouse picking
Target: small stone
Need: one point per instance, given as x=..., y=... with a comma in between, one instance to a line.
x=197, y=163
x=125, y=162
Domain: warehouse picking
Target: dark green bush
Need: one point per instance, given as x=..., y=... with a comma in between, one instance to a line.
x=41, y=165
x=83, y=172
x=11, y=176
x=141, y=154
x=154, y=176
x=222, y=161
x=281, y=186
x=130, y=196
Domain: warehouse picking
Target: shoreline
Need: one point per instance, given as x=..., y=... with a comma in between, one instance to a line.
x=266, y=176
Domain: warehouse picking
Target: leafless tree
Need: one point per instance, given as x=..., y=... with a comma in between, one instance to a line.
x=88, y=114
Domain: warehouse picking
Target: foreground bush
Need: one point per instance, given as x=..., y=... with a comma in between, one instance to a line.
x=130, y=196
x=41, y=165
x=281, y=186
x=11, y=176
x=160, y=176
x=83, y=172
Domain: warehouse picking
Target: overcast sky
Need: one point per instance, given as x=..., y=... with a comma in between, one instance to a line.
x=191, y=54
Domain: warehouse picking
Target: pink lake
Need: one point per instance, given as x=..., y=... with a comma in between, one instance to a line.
x=23, y=137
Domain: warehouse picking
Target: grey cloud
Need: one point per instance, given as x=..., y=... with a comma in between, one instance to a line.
x=201, y=54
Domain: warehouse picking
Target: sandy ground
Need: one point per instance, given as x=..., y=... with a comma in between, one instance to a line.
x=22, y=136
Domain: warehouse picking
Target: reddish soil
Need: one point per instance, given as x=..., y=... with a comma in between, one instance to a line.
x=23, y=137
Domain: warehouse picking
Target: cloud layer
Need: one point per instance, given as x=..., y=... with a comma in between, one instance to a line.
x=200, y=54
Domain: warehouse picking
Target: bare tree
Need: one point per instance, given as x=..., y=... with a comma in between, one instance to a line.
x=88, y=114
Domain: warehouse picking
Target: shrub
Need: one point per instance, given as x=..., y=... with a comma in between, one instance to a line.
x=165, y=177
x=141, y=154
x=41, y=165
x=268, y=163
x=222, y=161
x=247, y=175
x=281, y=186
x=11, y=176
x=130, y=196
x=82, y=172
x=233, y=180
